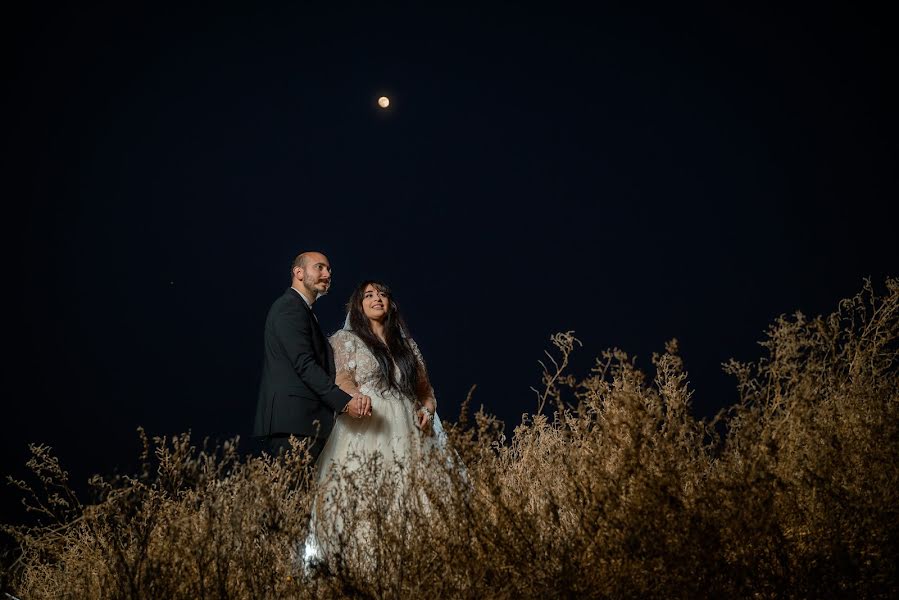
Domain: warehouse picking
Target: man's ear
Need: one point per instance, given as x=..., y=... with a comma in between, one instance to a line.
x=298, y=273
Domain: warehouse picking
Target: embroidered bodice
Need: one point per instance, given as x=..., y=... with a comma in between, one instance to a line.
x=355, y=363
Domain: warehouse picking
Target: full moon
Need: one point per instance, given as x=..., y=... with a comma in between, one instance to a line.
x=383, y=101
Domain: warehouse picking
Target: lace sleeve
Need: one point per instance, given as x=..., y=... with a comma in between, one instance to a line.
x=425, y=391
x=344, y=345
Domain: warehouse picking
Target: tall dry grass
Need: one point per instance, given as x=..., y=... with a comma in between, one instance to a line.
x=620, y=492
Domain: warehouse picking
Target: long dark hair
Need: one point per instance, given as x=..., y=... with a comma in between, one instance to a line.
x=396, y=334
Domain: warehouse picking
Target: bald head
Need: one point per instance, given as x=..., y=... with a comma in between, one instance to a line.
x=302, y=259
x=311, y=274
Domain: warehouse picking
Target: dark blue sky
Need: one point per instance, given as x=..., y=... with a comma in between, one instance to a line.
x=631, y=172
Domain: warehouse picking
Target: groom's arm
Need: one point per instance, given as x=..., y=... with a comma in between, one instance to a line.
x=294, y=330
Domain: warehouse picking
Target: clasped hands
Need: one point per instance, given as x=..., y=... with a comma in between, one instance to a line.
x=359, y=406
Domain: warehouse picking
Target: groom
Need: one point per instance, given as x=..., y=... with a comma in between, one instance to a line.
x=297, y=395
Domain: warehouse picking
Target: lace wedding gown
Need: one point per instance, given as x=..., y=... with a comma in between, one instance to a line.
x=387, y=444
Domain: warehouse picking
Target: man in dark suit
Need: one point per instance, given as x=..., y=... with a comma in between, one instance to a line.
x=297, y=395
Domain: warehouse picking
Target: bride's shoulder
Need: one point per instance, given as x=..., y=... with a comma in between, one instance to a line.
x=343, y=336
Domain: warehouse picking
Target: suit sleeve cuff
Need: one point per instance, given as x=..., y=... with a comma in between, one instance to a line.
x=337, y=399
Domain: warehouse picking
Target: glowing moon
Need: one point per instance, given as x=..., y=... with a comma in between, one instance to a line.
x=383, y=101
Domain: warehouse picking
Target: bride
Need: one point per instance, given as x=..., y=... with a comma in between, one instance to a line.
x=374, y=355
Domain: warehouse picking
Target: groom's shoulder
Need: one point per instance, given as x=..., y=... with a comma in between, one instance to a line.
x=286, y=301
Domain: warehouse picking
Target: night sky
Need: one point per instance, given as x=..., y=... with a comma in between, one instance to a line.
x=633, y=173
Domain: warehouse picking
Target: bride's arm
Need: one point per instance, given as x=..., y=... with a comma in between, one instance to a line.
x=425, y=392
x=344, y=346
x=345, y=381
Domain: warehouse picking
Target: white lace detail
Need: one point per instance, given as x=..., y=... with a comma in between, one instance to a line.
x=353, y=357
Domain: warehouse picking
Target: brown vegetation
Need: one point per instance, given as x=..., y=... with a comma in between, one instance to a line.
x=620, y=493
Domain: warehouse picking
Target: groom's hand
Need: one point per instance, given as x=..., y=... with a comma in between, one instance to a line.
x=359, y=406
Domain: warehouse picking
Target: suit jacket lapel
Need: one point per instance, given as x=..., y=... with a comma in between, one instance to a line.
x=332, y=368
x=319, y=343
x=317, y=331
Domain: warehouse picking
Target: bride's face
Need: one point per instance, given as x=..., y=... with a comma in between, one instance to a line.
x=375, y=303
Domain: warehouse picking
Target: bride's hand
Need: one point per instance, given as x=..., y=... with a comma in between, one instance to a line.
x=425, y=418
x=359, y=406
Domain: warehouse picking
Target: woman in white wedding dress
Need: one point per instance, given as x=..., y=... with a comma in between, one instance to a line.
x=374, y=355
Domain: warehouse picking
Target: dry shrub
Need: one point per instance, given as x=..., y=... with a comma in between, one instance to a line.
x=619, y=493
x=194, y=523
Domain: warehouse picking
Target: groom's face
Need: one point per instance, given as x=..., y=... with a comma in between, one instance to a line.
x=316, y=274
